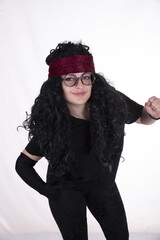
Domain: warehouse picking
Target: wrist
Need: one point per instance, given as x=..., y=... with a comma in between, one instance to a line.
x=153, y=117
x=52, y=191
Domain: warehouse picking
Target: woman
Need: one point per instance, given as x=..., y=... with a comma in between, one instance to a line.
x=77, y=124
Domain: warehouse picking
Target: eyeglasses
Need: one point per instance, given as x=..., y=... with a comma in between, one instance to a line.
x=71, y=79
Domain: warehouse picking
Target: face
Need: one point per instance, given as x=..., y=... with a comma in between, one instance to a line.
x=78, y=94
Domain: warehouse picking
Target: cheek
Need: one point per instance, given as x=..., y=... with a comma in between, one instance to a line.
x=65, y=91
x=89, y=91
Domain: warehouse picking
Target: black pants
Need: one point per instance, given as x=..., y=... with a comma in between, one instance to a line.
x=69, y=212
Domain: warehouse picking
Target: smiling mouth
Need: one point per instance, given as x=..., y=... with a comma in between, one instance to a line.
x=79, y=94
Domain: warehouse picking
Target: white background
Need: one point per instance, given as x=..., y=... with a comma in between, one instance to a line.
x=124, y=38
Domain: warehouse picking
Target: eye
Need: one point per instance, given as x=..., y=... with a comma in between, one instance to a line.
x=87, y=77
x=69, y=79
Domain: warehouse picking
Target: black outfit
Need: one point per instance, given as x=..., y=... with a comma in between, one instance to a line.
x=87, y=184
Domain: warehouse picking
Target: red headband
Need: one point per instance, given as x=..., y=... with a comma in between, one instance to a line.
x=73, y=64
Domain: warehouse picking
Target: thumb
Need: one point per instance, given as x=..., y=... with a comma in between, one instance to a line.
x=148, y=108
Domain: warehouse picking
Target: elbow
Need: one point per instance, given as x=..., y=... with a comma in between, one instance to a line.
x=18, y=165
x=23, y=163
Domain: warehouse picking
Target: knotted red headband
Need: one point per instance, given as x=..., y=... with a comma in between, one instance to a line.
x=72, y=64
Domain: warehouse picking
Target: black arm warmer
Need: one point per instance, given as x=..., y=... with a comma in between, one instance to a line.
x=24, y=168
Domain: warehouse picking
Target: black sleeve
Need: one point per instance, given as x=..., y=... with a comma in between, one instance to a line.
x=25, y=169
x=33, y=148
x=134, y=109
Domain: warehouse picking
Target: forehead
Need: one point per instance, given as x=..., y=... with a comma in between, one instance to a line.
x=76, y=74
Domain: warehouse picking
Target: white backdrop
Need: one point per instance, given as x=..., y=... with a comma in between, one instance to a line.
x=124, y=37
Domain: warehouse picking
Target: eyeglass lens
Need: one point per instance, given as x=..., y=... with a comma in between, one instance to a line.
x=86, y=78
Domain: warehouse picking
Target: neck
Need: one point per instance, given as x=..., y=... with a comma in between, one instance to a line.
x=80, y=111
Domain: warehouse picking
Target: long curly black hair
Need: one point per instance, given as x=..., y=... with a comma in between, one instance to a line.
x=49, y=122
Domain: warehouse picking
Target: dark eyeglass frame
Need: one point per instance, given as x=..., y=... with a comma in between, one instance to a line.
x=79, y=78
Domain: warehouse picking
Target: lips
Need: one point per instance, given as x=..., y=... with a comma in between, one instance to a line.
x=79, y=94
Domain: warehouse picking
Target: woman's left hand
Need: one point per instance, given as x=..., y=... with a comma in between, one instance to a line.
x=153, y=107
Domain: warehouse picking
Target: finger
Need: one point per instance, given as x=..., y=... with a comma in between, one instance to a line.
x=151, y=99
x=155, y=105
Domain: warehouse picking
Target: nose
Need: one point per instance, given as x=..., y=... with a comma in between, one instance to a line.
x=79, y=83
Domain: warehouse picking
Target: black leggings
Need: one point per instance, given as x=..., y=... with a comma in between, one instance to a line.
x=69, y=212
